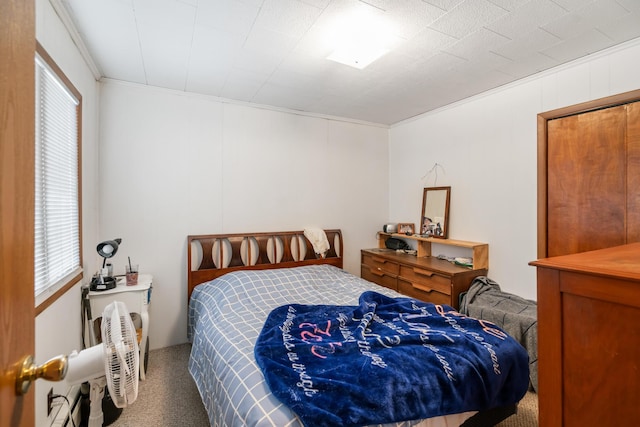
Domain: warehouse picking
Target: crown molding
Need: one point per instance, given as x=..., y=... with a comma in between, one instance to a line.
x=67, y=21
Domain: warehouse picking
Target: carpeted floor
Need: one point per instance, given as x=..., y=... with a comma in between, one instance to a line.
x=169, y=398
x=527, y=415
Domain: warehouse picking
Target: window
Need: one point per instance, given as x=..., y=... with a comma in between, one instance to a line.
x=58, y=260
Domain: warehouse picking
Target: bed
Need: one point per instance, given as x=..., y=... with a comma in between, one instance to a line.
x=236, y=283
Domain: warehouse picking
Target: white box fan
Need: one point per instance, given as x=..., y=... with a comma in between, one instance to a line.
x=114, y=363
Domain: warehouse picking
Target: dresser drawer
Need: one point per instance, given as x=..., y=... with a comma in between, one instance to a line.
x=381, y=264
x=423, y=292
x=378, y=276
x=426, y=278
x=421, y=277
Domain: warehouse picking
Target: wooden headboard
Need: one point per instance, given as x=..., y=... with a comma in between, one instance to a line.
x=232, y=250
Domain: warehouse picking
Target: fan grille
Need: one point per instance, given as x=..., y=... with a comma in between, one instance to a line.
x=122, y=357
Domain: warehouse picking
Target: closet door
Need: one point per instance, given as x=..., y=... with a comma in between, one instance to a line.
x=633, y=172
x=586, y=197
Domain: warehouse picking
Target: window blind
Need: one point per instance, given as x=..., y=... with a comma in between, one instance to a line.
x=57, y=220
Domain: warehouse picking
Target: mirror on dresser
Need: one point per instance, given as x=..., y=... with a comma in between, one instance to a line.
x=434, y=217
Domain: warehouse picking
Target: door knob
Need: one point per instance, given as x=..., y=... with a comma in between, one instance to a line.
x=26, y=372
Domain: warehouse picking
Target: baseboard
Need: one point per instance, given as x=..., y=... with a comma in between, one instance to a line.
x=62, y=418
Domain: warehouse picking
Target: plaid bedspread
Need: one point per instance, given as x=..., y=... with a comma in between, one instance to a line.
x=225, y=318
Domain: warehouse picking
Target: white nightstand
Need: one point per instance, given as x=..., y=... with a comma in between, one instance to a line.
x=136, y=298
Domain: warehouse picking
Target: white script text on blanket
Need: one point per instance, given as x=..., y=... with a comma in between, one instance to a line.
x=387, y=360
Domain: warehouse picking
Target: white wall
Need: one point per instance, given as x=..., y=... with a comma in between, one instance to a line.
x=174, y=164
x=58, y=328
x=488, y=146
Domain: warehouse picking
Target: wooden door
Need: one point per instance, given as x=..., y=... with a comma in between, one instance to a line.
x=633, y=172
x=17, y=122
x=586, y=203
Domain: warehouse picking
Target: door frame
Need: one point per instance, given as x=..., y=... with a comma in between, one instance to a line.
x=543, y=119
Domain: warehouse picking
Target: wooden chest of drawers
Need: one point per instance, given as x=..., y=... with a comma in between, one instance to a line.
x=589, y=338
x=425, y=278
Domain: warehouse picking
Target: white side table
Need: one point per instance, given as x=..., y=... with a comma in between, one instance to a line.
x=136, y=298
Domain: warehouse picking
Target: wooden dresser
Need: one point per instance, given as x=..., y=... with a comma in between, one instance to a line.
x=589, y=338
x=423, y=276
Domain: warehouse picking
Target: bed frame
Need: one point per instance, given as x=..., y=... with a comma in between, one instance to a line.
x=210, y=244
x=292, y=253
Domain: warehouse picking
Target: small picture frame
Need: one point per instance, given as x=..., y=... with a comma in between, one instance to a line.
x=406, y=228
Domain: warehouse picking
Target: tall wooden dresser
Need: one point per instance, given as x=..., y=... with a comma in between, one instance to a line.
x=589, y=338
x=423, y=276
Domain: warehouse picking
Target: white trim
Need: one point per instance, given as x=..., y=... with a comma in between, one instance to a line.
x=67, y=21
x=528, y=79
x=61, y=417
x=107, y=80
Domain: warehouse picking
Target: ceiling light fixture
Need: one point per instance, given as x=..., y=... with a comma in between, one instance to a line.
x=357, y=56
x=361, y=37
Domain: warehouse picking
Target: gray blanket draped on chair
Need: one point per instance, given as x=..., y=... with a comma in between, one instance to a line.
x=516, y=315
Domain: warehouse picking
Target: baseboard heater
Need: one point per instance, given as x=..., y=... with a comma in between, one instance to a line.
x=65, y=413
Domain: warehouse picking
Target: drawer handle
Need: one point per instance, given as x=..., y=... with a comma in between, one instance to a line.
x=380, y=260
x=423, y=272
x=377, y=272
x=421, y=287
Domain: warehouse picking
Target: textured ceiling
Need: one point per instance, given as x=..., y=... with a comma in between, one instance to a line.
x=273, y=52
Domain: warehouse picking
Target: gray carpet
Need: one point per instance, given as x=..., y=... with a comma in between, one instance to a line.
x=169, y=398
x=527, y=415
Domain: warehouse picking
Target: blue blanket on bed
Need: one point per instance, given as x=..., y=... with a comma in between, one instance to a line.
x=388, y=359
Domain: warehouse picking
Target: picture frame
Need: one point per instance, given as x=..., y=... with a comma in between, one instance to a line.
x=406, y=228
